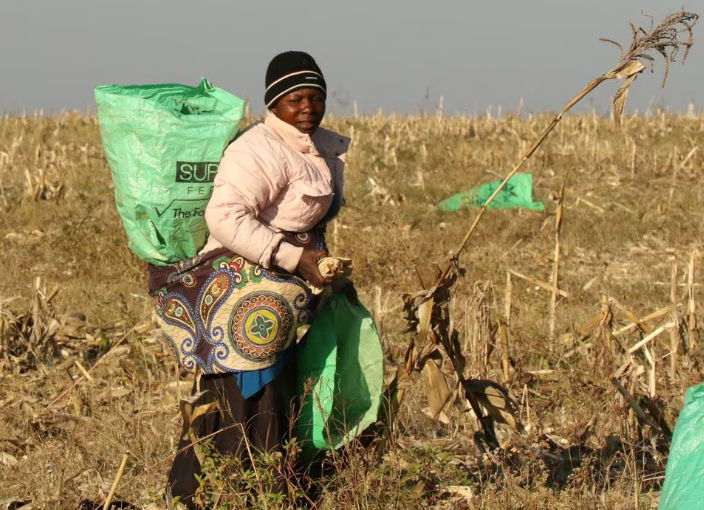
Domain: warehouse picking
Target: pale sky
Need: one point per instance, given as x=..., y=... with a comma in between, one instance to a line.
x=400, y=56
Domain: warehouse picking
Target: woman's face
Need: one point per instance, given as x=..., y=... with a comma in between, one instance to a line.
x=302, y=108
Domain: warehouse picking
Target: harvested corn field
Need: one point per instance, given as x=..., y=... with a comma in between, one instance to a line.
x=589, y=322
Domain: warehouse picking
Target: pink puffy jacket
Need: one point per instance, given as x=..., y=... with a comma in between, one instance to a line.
x=273, y=178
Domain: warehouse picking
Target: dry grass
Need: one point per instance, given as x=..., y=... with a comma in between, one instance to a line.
x=631, y=210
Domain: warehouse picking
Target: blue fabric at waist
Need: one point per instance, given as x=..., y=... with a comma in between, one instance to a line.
x=251, y=381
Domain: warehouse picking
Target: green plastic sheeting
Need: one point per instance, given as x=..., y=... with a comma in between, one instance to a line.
x=518, y=192
x=340, y=376
x=163, y=144
x=685, y=465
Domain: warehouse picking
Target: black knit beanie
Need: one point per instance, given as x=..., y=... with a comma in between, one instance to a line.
x=290, y=71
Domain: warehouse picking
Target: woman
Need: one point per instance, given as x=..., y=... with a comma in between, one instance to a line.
x=232, y=312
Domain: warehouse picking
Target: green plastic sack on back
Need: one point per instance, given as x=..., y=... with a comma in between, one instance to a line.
x=163, y=144
x=683, y=486
x=518, y=192
x=340, y=376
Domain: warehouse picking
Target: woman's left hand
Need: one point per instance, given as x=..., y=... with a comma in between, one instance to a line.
x=308, y=267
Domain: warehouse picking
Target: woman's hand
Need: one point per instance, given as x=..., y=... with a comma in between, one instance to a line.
x=308, y=267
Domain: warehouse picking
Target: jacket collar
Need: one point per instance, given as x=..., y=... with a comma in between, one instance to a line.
x=297, y=140
x=322, y=143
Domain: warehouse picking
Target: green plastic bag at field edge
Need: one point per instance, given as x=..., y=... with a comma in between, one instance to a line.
x=340, y=376
x=683, y=486
x=518, y=192
x=163, y=144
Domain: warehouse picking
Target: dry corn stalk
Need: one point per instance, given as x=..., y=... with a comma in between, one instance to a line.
x=556, y=259
x=664, y=39
x=27, y=340
x=428, y=315
x=428, y=312
x=39, y=187
x=691, y=307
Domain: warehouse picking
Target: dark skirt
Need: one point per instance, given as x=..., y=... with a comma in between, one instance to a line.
x=264, y=421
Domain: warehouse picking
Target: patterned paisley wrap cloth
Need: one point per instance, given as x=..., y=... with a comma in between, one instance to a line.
x=223, y=316
x=220, y=313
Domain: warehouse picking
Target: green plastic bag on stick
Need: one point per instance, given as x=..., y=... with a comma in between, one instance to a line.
x=518, y=192
x=340, y=376
x=163, y=144
x=683, y=486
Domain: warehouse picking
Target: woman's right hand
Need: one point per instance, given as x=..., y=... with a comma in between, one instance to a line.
x=308, y=267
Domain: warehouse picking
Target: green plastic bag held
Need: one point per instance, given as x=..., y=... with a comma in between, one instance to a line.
x=340, y=376
x=518, y=192
x=163, y=144
x=683, y=488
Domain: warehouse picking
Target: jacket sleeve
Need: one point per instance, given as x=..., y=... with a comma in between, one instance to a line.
x=246, y=184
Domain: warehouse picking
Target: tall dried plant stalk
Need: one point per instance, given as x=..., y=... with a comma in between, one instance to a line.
x=427, y=312
x=691, y=307
x=556, y=259
x=664, y=39
x=674, y=333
